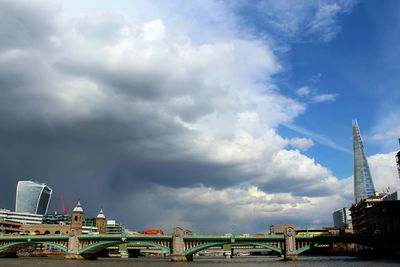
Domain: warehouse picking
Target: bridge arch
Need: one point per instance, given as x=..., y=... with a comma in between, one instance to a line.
x=201, y=247
x=276, y=249
x=204, y=246
x=308, y=247
x=20, y=245
x=99, y=246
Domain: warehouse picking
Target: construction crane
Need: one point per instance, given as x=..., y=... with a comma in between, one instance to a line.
x=55, y=208
x=64, y=208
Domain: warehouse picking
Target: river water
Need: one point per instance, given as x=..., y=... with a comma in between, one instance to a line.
x=200, y=261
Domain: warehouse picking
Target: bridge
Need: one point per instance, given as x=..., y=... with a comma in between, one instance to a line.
x=182, y=247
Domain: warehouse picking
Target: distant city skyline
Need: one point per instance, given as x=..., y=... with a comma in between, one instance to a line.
x=205, y=114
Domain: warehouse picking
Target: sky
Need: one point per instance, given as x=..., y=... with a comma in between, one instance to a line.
x=216, y=116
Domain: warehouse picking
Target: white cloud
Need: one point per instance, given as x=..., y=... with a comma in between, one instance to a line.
x=301, y=20
x=304, y=91
x=392, y=133
x=153, y=30
x=301, y=143
x=387, y=130
x=323, y=98
x=384, y=172
x=312, y=95
x=237, y=209
x=324, y=140
x=296, y=167
x=324, y=21
x=242, y=148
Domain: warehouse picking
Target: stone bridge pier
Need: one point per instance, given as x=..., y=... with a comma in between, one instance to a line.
x=178, y=246
x=289, y=232
x=73, y=246
x=290, y=243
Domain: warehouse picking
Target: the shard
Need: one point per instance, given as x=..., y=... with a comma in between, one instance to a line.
x=363, y=184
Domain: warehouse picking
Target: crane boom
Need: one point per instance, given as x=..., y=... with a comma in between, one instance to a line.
x=64, y=208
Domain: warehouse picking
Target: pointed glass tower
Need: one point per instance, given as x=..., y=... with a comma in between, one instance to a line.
x=363, y=184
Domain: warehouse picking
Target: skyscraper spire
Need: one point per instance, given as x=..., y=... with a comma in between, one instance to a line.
x=363, y=184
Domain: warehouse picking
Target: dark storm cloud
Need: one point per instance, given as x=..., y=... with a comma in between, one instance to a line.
x=132, y=83
x=174, y=173
x=157, y=204
x=160, y=84
x=298, y=187
x=142, y=137
x=25, y=24
x=130, y=152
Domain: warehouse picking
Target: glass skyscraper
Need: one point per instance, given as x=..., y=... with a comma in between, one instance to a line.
x=32, y=197
x=341, y=218
x=363, y=184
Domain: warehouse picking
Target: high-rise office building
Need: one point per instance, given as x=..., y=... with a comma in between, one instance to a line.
x=363, y=184
x=32, y=197
x=341, y=218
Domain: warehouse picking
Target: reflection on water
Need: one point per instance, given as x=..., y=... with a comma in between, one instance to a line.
x=201, y=261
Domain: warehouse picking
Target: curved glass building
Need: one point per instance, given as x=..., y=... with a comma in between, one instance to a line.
x=32, y=197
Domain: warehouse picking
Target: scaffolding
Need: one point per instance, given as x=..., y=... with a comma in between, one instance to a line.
x=398, y=161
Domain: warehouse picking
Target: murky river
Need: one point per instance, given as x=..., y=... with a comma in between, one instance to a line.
x=201, y=261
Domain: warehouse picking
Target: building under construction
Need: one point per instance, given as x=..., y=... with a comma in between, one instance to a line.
x=398, y=161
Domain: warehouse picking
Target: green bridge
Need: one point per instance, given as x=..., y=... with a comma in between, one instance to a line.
x=182, y=247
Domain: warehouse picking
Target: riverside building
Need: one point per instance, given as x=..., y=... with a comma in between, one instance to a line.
x=20, y=217
x=341, y=218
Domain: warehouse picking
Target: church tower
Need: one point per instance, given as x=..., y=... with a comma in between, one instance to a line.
x=77, y=218
x=101, y=222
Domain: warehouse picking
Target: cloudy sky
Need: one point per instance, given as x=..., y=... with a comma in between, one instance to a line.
x=217, y=116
